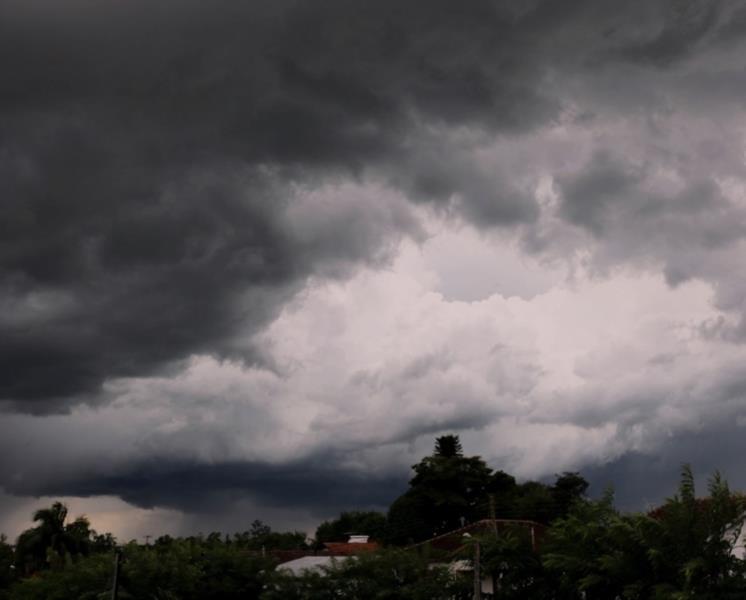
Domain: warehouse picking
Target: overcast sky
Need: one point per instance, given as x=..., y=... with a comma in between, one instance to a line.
x=255, y=256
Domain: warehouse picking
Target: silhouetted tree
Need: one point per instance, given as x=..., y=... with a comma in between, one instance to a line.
x=369, y=523
x=448, y=446
x=683, y=550
x=52, y=543
x=568, y=489
x=447, y=490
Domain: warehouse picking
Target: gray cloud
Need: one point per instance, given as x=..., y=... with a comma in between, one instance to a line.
x=148, y=148
x=643, y=480
x=175, y=174
x=148, y=153
x=318, y=485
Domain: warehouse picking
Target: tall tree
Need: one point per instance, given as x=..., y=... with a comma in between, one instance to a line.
x=7, y=568
x=448, y=446
x=448, y=490
x=52, y=542
x=369, y=523
x=514, y=565
x=683, y=550
x=261, y=537
x=569, y=488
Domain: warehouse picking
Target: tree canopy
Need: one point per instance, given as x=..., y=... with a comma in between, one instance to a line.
x=686, y=549
x=449, y=490
x=370, y=523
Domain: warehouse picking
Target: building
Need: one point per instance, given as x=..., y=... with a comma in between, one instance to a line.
x=333, y=553
x=457, y=551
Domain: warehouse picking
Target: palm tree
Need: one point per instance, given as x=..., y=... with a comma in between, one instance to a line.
x=52, y=543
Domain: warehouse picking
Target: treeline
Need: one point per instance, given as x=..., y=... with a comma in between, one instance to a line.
x=449, y=490
x=685, y=549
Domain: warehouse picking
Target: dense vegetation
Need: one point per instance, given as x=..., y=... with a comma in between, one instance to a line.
x=449, y=489
x=685, y=549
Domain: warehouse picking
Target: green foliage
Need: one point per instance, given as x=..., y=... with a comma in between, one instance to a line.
x=87, y=579
x=408, y=520
x=261, y=538
x=369, y=523
x=183, y=569
x=191, y=569
x=584, y=551
x=389, y=574
x=449, y=490
x=568, y=489
x=515, y=567
x=54, y=544
x=683, y=550
x=7, y=566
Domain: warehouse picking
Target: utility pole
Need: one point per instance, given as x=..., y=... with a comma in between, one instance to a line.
x=493, y=517
x=477, y=572
x=115, y=584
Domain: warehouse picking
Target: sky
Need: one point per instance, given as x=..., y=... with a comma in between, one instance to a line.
x=255, y=257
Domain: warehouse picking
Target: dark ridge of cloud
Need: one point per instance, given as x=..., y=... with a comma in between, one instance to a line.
x=588, y=197
x=643, y=480
x=112, y=273
x=118, y=289
x=685, y=24
x=322, y=488
x=150, y=153
x=732, y=28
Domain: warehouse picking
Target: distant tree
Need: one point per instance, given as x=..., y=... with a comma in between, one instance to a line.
x=259, y=529
x=448, y=489
x=577, y=548
x=163, y=541
x=691, y=541
x=261, y=537
x=683, y=550
x=501, y=496
x=408, y=519
x=52, y=543
x=87, y=579
x=184, y=569
x=103, y=542
x=448, y=446
x=370, y=523
x=502, y=482
x=388, y=574
x=568, y=489
x=534, y=501
x=7, y=566
x=515, y=567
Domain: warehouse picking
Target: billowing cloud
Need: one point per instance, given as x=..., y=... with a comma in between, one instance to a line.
x=257, y=250
x=365, y=373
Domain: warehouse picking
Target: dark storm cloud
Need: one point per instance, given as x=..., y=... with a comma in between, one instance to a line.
x=609, y=196
x=317, y=483
x=148, y=152
x=645, y=479
x=685, y=24
x=156, y=160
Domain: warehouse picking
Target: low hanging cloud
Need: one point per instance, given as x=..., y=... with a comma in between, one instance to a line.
x=260, y=250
